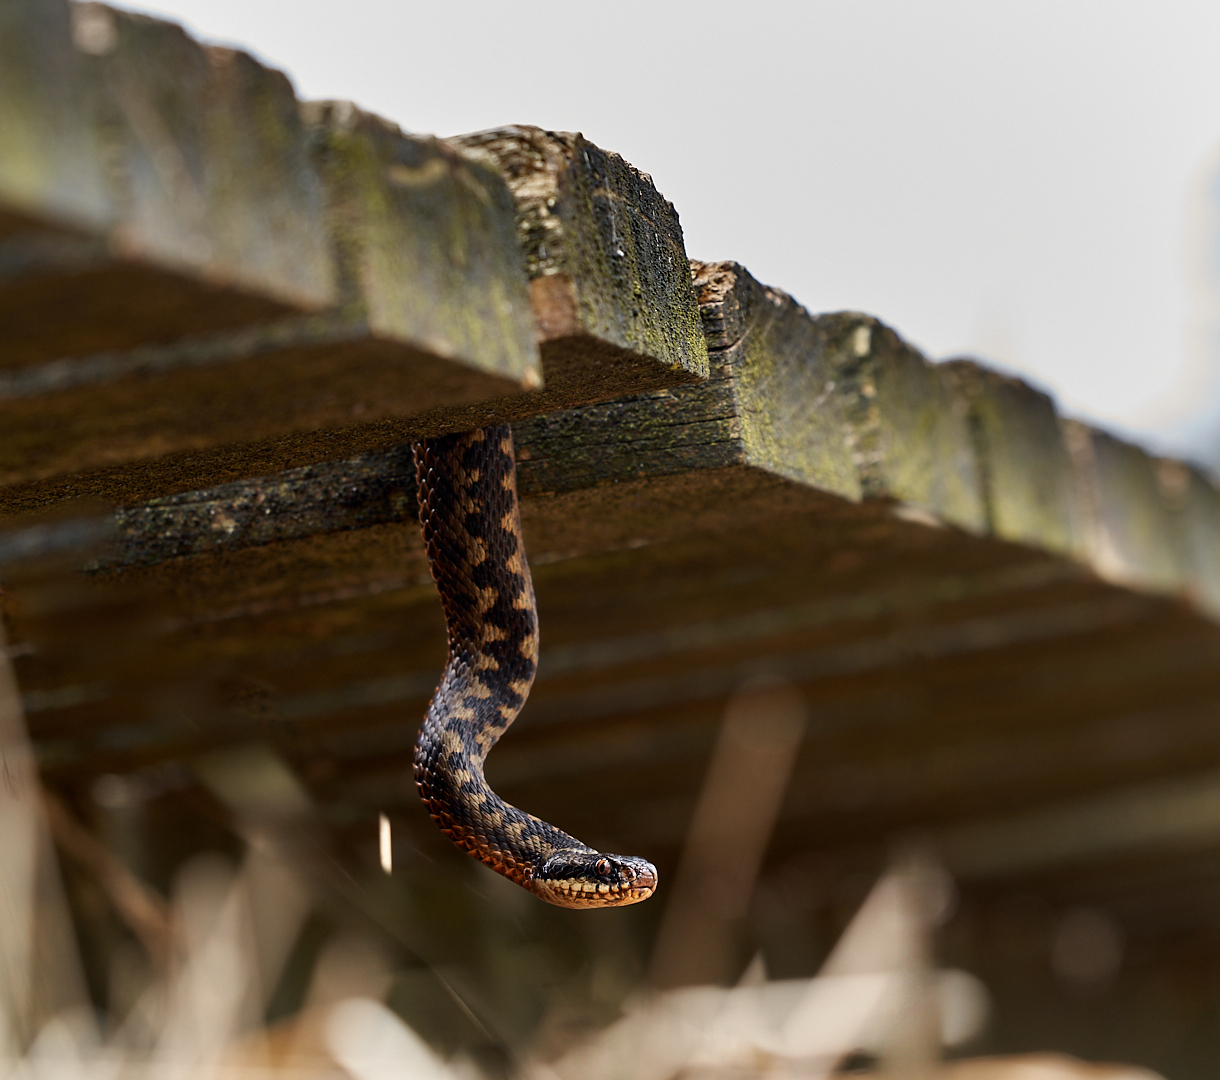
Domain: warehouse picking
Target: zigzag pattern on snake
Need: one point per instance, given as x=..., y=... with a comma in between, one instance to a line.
x=472, y=532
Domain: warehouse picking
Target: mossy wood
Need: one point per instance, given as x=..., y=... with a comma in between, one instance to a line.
x=153, y=188
x=235, y=210
x=605, y=257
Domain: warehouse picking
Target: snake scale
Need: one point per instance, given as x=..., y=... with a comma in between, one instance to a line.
x=472, y=532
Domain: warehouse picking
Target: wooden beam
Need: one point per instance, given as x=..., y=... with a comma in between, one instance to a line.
x=189, y=357
x=51, y=180
x=142, y=195
x=606, y=262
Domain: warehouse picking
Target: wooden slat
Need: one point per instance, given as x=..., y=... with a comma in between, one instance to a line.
x=605, y=257
x=187, y=357
x=1024, y=463
x=50, y=176
x=154, y=204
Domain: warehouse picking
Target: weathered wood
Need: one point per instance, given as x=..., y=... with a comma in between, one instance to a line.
x=434, y=317
x=207, y=162
x=1195, y=505
x=196, y=208
x=692, y=457
x=1127, y=530
x=607, y=266
x=835, y=406
x=768, y=406
x=907, y=430
x=424, y=243
x=1024, y=464
x=308, y=502
x=225, y=188
x=50, y=176
x=428, y=323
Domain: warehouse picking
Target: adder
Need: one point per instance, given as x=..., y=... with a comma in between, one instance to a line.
x=472, y=531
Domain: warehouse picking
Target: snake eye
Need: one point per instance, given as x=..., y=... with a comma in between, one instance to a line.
x=603, y=867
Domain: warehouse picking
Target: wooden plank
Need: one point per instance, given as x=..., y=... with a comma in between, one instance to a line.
x=434, y=317
x=207, y=164
x=425, y=245
x=1025, y=467
x=227, y=192
x=768, y=406
x=907, y=430
x=1128, y=531
x=688, y=457
x=1194, y=504
x=425, y=326
x=606, y=261
x=779, y=427
x=190, y=164
x=51, y=182
x=317, y=701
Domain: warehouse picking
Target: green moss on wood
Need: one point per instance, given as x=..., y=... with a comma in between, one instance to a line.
x=773, y=354
x=613, y=244
x=1129, y=533
x=425, y=242
x=50, y=168
x=1025, y=467
x=207, y=159
x=907, y=431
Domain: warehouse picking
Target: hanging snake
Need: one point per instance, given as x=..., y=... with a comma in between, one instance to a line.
x=472, y=532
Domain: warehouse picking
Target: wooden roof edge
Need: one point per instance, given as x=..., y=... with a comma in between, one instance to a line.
x=834, y=405
x=535, y=244
x=257, y=269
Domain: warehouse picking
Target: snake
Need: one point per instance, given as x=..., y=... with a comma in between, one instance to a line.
x=468, y=509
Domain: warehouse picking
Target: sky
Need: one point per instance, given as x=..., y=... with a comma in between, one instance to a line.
x=1030, y=182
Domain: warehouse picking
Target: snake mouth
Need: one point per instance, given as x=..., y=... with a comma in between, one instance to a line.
x=644, y=885
x=578, y=897
x=636, y=881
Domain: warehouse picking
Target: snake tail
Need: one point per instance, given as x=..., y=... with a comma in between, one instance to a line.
x=472, y=532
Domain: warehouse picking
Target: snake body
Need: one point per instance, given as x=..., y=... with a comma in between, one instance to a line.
x=472, y=532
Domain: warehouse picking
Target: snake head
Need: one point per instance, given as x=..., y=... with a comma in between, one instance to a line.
x=580, y=878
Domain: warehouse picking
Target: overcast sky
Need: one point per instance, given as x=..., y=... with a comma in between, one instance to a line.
x=1028, y=181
